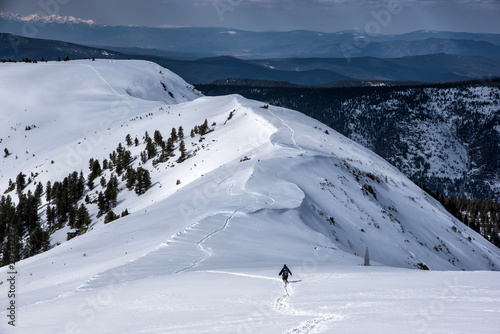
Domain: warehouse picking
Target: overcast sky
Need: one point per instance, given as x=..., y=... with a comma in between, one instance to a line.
x=386, y=16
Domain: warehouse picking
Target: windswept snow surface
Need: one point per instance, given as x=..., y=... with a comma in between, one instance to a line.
x=264, y=188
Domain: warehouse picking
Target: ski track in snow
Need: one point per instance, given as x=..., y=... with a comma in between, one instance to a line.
x=282, y=306
x=208, y=252
x=292, y=132
x=317, y=323
x=239, y=274
x=104, y=80
x=147, y=259
x=135, y=269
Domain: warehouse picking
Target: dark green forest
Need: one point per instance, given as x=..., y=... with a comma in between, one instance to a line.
x=481, y=216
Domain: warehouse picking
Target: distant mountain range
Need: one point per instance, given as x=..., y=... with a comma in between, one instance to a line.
x=322, y=71
x=204, y=55
x=303, y=71
x=17, y=48
x=191, y=43
x=40, y=20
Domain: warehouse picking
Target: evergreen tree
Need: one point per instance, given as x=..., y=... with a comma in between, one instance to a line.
x=143, y=181
x=128, y=140
x=96, y=168
x=113, y=158
x=120, y=149
x=51, y=217
x=173, y=134
x=90, y=181
x=158, y=138
x=101, y=204
x=80, y=185
x=39, y=193
x=62, y=209
x=111, y=193
x=82, y=218
x=146, y=137
x=182, y=149
x=20, y=182
x=131, y=178
x=103, y=182
x=124, y=159
x=38, y=241
x=110, y=216
x=203, y=129
x=144, y=157
x=150, y=149
x=169, y=148
x=72, y=216
x=180, y=132
x=119, y=167
x=10, y=231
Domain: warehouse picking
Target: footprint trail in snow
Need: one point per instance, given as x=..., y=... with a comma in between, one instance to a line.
x=317, y=323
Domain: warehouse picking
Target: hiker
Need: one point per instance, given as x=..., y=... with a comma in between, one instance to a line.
x=284, y=273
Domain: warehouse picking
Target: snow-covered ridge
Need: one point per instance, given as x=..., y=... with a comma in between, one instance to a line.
x=265, y=186
x=277, y=158
x=36, y=18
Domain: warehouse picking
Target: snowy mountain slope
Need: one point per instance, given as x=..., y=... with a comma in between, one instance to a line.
x=267, y=186
x=442, y=136
x=53, y=99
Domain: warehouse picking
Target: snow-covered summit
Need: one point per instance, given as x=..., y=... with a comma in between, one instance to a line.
x=262, y=187
x=69, y=106
x=44, y=19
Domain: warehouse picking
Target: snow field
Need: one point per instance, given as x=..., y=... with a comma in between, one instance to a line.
x=332, y=299
x=265, y=188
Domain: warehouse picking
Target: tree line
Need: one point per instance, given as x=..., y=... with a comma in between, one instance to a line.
x=25, y=230
x=480, y=215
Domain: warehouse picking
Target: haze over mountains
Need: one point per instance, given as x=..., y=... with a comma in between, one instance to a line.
x=300, y=57
x=303, y=71
x=209, y=42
